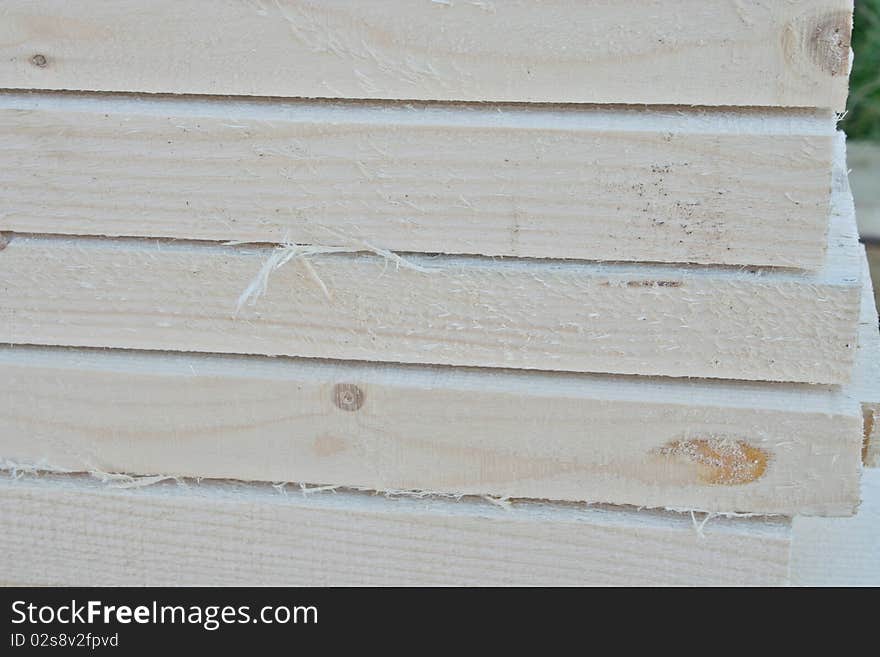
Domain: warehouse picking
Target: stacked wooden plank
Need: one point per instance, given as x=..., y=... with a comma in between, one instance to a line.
x=287, y=245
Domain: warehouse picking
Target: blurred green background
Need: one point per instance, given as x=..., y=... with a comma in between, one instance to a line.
x=862, y=119
x=862, y=125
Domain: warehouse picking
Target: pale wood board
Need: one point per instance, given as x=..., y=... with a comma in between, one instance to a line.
x=568, y=317
x=456, y=310
x=687, y=185
x=688, y=52
x=72, y=531
x=708, y=445
x=840, y=551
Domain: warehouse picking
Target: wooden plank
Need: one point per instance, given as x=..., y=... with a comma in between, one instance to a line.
x=454, y=310
x=689, y=185
x=713, y=446
x=688, y=52
x=840, y=551
x=222, y=534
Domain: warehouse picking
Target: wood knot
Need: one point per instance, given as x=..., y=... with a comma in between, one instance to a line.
x=824, y=40
x=720, y=461
x=40, y=60
x=347, y=396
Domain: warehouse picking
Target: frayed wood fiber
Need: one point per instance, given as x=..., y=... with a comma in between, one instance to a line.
x=288, y=251
x=115, y=480
x=711, y=186
x=19, y=469
x=687, y=52
x=246, y=534
x=760, y=324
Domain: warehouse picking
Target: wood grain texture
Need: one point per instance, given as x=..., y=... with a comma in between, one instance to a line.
x=454, y=310
x=688, y=52
x=704, y=186
x=221, y=534
x=569, y=317
x=714, y=446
